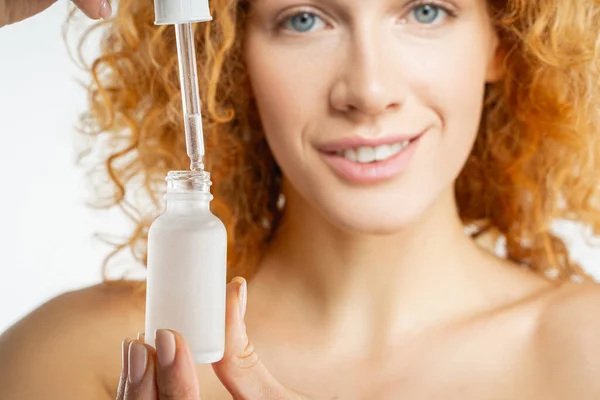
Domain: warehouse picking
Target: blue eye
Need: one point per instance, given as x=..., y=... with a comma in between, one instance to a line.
x=427, y=13
x=302, y=22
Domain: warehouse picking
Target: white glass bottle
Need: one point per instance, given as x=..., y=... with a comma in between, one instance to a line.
x=186, y=278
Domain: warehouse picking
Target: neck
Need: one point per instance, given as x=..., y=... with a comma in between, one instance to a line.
x=377, y=287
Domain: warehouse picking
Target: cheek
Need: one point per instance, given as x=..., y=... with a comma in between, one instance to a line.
x=288, y=92
x=291, y=93
x=449, y=80
x=449, y=77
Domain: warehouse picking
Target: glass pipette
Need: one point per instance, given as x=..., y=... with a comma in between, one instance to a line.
x=194, y=135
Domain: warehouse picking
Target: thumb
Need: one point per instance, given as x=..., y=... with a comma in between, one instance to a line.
x=95, y=8
x=12, y=11
x=240, y=370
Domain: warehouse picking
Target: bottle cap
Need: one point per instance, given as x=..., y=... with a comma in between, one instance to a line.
x=170, y=12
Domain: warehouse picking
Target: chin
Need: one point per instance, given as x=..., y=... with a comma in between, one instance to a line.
x=377, y=218
x=387, y=208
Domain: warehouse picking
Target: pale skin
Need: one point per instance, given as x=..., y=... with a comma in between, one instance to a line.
x=366, y=292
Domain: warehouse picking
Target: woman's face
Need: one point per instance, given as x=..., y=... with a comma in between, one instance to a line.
x=370, y=107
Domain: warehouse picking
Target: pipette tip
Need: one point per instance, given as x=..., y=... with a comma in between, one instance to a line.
x=197, y=165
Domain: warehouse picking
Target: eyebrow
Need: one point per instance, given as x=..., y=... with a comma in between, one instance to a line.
x=341, y=6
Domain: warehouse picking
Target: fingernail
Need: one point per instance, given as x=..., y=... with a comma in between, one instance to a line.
x=165, y=347
x=105, y=9
x=141, y=337
x=243, y=294
x=138, y=360
x=125, y=354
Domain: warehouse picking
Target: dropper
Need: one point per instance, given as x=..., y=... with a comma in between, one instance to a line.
x=194, y=137
x=182, y=13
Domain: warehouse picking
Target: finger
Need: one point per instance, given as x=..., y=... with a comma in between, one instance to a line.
x=176, y=370
x=95, y=8
x=240, y=370
x=12, y=11
x=141, y=382
x=124, y=369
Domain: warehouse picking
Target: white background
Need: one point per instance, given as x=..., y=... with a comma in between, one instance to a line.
x=46, y=231
x=47, y=243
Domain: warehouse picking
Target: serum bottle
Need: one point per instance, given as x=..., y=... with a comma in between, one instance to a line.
x=187, y=266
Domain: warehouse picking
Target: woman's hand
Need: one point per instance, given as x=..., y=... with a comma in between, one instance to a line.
x=169, y=371
x=12, y=11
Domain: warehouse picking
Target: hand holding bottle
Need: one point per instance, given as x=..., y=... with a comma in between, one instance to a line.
x=169, y=371
x=12, y=11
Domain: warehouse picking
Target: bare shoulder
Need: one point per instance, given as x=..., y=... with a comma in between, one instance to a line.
x=62, y=349
x=568, y=341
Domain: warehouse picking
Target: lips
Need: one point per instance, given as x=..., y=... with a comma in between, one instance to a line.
x=355, y=170
x=356, y=142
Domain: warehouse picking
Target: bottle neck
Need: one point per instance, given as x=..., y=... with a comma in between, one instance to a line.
x=188, y=191
x=184, y=202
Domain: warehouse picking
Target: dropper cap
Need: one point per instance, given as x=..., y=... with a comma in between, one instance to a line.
x=171, y=12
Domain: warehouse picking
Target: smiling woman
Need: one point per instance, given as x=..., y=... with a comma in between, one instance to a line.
x=388, y=127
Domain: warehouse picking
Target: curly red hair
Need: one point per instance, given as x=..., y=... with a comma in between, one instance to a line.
x=536, y=158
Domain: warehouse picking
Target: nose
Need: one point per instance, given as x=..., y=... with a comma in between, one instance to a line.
x=369, y=82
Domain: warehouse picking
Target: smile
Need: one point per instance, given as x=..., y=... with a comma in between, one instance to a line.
x=370, y=154
x=363, y=163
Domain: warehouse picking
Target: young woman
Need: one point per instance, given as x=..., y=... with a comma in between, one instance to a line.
x=366, y=158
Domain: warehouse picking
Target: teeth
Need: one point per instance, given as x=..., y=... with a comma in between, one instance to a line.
x=367, y=154
x=397, y=147
x=383, y=152
x=350, y=154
